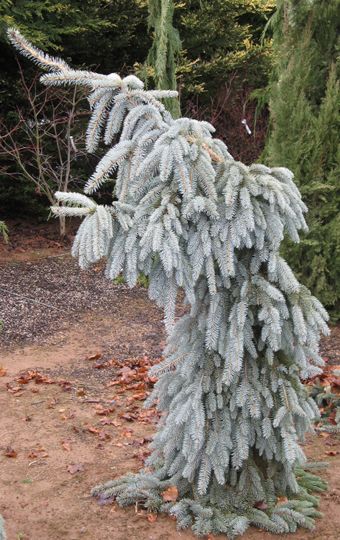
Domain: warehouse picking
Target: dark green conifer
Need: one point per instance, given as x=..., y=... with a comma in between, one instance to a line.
x=304, y=134
x=166, y=45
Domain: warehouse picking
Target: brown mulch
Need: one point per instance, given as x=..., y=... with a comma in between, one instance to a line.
x=330, y=346
x=38, y=299
x=28, y=236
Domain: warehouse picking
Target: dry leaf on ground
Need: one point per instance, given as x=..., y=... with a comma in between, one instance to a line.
x=73, y=468
x=170, y=494
x=66, y=445
x=10, y=452
x=95, y=356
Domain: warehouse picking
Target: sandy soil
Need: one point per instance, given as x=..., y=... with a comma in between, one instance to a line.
x=62, y=446
x=69, y=428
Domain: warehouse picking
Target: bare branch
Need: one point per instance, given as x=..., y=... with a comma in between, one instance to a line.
x=39, y=146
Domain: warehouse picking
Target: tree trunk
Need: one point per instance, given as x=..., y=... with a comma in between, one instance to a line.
x=62, y=226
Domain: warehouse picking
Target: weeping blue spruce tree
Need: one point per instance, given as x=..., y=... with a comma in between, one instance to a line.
x=190, y=217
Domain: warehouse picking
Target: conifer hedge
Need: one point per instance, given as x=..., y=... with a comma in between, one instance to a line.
x=304, y=134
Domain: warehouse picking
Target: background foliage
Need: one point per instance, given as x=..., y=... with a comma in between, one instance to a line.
x=222, y=58
x=304, y=135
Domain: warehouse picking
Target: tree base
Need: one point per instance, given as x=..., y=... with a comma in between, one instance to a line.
x=2, y=529
x=204, y=516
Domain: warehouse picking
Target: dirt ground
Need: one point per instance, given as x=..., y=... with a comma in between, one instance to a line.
x=71, y=395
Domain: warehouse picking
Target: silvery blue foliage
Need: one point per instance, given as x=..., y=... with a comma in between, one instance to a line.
x=2, y=529
x=190, y=217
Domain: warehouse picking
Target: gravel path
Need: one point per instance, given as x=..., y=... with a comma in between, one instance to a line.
x=39, y=298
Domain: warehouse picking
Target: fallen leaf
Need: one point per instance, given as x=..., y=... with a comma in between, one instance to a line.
x=139, y=396
x=93, y=430
x=101, y=411
x=17, y=390
x=170, y=494
x=24, y=379
x=331, y=443
x=94, y=356
x=139, y=442
x=104, y=436
x=127, y=371
x=3, y=371
x=142, y=454
x=127, y=433
x=36, y=376
x=105, y=421
x=75, y=467
x=102, y=365
x=65, y=385
x=100, y=446
x=128, y=417
x=10, y=452
x=66, y=446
